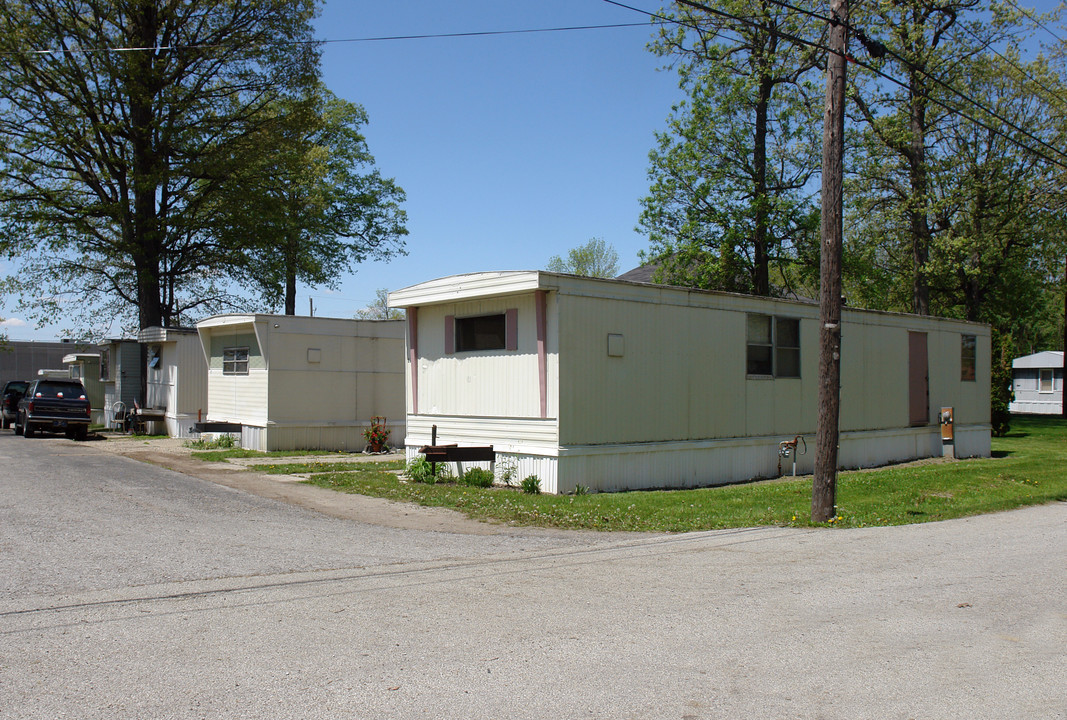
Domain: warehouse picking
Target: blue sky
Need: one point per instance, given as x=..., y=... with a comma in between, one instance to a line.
x=511, y=148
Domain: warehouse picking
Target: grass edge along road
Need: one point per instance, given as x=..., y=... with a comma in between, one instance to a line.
x=1028, y=467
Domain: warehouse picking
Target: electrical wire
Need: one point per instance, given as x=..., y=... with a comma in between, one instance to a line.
x=1062, y=163
x=379, y=38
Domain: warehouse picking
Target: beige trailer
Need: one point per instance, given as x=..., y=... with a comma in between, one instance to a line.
x=615, y=385
x=287, y=382
x=175, y=381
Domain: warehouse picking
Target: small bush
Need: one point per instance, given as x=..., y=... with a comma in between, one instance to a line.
x=581, y=490
x=377, y=435
x=477, y=477
x=420, y=471
x=531, y=485
x=222, y=442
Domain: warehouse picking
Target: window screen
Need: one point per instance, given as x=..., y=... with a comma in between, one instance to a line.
x=968, y=344
x=773, y=346
x=760, y=345
x=1044, y=380
x=787, y=347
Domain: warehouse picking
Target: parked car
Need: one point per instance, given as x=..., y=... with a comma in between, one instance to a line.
x=13, y=392
x=54, y=406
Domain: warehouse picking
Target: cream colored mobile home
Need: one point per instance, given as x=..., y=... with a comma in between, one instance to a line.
x=615, y=385
x=290, y=382
x=176, y=380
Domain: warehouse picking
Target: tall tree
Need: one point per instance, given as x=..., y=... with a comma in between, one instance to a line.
x=934, y=47
x=595, y=258
x=730, y=196
x=123, y=120
x=315, y=205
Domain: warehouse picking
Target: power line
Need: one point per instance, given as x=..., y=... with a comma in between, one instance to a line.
x=377, y=38
x=1037, y=23
x=809, y=43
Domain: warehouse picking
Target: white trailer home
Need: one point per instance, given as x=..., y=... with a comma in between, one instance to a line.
x=616, y=385
x=120, y=377
x=286, y=382
x=1037, y=383
x=175, y=380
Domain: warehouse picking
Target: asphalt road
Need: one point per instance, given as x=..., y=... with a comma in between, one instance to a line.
x=131, y=591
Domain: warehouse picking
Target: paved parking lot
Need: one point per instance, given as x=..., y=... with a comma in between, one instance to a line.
x=132, y=591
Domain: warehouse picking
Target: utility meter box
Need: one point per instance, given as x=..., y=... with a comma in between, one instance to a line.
x=948, y=439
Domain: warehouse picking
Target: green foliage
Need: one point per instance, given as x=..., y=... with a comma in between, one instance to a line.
x=477, y=477
x=420, y=470
x=315, y=205
x=115, y=163
x=506, y=469
x=730, y=205
x=595, y=258
x=580, y=489
x=1027, y=469
x=222, y=442
x=379, y=309
x=1000, y=388
x=531, y=485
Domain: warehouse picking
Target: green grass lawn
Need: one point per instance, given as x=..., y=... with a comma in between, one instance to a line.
x=1028, y=467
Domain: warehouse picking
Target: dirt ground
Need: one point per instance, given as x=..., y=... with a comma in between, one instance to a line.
x=240, y=474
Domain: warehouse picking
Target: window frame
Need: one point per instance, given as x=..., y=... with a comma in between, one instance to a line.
x=773, y=346
x=235, y=365
x=105, y=365
x=968, y=358
x=1051, y=380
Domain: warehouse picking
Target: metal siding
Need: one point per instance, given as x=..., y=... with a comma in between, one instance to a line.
x=489, y=383
x=531, y=436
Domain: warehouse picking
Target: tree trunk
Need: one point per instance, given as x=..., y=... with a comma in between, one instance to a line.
x=761, y=282
x=918, y=202
x=145, y=175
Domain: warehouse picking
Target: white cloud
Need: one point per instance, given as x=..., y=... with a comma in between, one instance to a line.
x=14, y=323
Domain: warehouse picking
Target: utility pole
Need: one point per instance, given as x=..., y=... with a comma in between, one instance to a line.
x=824, y=485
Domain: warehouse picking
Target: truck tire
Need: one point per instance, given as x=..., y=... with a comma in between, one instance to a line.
x=18, y=427
x=28, y=430
x=81, y=432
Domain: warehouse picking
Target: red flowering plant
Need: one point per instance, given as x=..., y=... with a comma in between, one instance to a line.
x=377, y=435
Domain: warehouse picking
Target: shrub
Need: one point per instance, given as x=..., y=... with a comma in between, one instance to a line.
x=477, y=477
x=420, y=471
x=222, y=442
x=581, y=490
x=531, y=485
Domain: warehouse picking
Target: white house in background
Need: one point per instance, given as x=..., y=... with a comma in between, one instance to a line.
x=176, y=380
x=616, y=385
x=85, y=366
x=1038, y=383
x=120, y=376
x=287, y=382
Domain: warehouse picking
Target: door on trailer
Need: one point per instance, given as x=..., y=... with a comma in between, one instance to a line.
x=918, y=380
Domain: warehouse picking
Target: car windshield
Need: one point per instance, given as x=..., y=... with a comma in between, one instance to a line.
x=59, y=390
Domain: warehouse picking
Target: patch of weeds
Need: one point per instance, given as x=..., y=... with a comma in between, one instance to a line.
x=531, y=485
x=506, y=470
x=222, y=442
x=477, y=477
x=580, y=489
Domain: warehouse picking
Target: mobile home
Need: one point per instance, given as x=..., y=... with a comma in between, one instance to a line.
x=175, y=380
x=286, y=382
x=1037, y=383
x=617, y=385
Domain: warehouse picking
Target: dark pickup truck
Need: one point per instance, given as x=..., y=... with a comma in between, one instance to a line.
x=54, y=406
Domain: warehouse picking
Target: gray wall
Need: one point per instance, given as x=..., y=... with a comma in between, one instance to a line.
x=20, y=360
